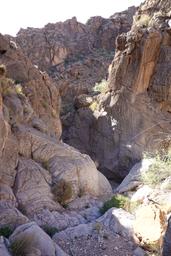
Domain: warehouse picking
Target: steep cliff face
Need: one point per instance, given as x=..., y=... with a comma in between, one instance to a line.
x=133, y=117
x=75, y=55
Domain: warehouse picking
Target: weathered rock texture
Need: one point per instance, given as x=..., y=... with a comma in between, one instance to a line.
x=36, y=240
x=35, y=85
x=133, y=117
x=76, y=55
x=37, y=171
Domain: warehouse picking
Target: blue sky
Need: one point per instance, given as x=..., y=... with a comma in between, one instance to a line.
x=36, y=13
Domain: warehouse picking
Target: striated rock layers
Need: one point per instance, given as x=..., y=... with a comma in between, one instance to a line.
x=133, y=116
x=75, y=55
x=37, y=171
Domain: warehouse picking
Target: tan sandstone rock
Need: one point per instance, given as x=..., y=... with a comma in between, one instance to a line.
x=150, y=224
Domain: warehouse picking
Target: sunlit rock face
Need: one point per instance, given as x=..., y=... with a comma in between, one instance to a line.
x=76, y=55
x=134, y=115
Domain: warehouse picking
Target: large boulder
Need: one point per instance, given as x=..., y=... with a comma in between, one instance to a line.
x=134, y=178
x=150, y=224
x=73, y=173
x=58, y=220
x=118, y=221
x=9, y=214
x=32, y=188
x=31, y=238
x=11, y=217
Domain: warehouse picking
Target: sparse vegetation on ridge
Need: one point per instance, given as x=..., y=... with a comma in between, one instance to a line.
x=159, y=170
x=143, y=21
x=101, y=87
x=8, y=86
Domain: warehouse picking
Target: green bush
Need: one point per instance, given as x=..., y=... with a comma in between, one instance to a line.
x=101, y=87
x=62, y=192
x=118, y=201
x=5, y=231
x=50, y=230
x=158, y=171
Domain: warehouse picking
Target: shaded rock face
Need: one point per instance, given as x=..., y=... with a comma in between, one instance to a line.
x=33, y=161
x=76, y=55
x=47, y=108
x=133, y=117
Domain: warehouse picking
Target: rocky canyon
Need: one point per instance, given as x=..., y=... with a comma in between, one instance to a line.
x=85, y=136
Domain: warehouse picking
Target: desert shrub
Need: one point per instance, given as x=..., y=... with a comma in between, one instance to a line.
x=22, y=246
x=101, y=87
x=45, y=165
x=2, y=70
x=143, y=21
x=94, y=106
x=118, y=201
x=158, y=171
x=5, y=231
x=98, y=227
x=19, y=89
x=50, y=230
x=7, y=86
x=45, y=104
x=62, y=192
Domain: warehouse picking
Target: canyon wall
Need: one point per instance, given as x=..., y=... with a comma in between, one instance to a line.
x=132, y=117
